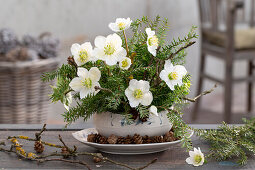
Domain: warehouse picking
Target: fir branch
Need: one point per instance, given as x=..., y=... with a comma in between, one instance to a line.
x=180, y=49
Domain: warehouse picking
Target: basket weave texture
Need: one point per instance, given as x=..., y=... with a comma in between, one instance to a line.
x=24, y=97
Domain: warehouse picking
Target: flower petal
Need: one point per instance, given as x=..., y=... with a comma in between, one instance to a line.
x=168, y=66
x=132, y=84
x=76, y=84
x=75, y=48
x=84, y=93
x=149, y=32
x=189, y=160
x=82, y=72
x=153, y=110
x=100, y=41
x=94, y=74
x=147, y=99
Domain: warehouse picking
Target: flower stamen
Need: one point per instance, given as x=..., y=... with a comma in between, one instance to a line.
x=83, y=55
x=121, y=25
x=138, y=94
x=87, y=82
x=153, y=41
x=197, y=159
x=173, y=76
x=109, y=49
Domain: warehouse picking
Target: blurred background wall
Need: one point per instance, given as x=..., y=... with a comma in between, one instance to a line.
x=78, y=20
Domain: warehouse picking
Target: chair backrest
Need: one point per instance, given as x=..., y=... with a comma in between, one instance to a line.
x=214, y=14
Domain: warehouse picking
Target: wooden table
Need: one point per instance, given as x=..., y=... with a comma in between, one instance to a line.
x=173, y=158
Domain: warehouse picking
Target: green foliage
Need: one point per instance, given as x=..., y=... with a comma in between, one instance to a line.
x=114, y=81
x=231, y=141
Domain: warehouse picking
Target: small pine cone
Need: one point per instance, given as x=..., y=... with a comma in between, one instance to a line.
x=97, y=138
x=138, y=139
x=128, y=140
x=158, y=139
x=49, y=46
x=112, y=139
x=71, y=61
x=121, y=140
x=169, y=137
x=65, y=151
x=97, y=160
x=8, y=40
x=103, y=140
x=91, y=138
x=38, y=147
x=147, y=139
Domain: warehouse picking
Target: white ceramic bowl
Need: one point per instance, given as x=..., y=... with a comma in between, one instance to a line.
x=108, y=123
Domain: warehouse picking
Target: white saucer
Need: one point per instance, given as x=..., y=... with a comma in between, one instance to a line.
x=124, y=149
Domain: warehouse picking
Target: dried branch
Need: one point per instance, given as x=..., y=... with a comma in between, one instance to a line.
x=200, y=95
x=104, y=89
x=38, y=135
x=180, y=49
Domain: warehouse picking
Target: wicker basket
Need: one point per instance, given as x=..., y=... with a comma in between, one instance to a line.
x=23, y=96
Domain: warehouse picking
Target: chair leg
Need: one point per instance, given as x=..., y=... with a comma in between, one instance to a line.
x=249, y=90
x=200, y=86
x=228, y=92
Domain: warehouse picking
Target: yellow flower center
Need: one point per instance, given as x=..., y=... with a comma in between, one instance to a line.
x=109, y=49
x=121, y=25
x=87, y=82
x=138, y=93
x=153, y=40
x=83, y=55
x=173, y=76
x=124, y=63
x=198, y=159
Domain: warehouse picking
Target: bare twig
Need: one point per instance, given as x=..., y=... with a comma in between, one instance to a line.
x=126, y=42
x=104, y=89
x=148, y=164
x=38, y=135
x=180, y=49
x=200, y=95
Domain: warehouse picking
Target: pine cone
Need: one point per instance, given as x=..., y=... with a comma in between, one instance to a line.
x=158, y=139
x=97, y=138
x=49, y=46
x=147, y=139
x=138, y=139
x=65, y=151
x=91, y=138
x=21, y=54
x=128, y=140
x=103, y=140
x=112, y=139
x=38, y=147
x=169, y=137
x=8, y=40
x=121, y=140
x=71, y=61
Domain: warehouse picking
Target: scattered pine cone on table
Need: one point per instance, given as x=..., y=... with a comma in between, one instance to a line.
x=112, y=139
x=138, y=139
x=38, y=147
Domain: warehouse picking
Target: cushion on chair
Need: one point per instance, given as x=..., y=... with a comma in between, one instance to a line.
x=244, y=39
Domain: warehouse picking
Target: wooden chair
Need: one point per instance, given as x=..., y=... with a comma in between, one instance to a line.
x=221, y=38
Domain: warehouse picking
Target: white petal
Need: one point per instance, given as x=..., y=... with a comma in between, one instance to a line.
x=94, y=74
x=143, y=85
x=153, y=110
x=115, y=39
x=180, y=70
x=134, y=103
x=132, y=84
x=192, y=154
x=99, y=53
x=66, y=107
x=170, y=85
x=75, y=48
x=152, y=50
x=77, y=60
x=76, y=84
x=82, y=72
x=168, y=66
x=84, y=93
x=164, y=75
x=189, y=160
x=113, y=27
x=147, y=99
x=149, y=32
x=111, y=61
x=121, y=53
x=100, y=41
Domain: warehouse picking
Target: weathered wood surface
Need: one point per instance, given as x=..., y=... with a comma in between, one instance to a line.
x=174, y=158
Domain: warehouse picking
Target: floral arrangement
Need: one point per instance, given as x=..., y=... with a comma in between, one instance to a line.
x=134, y=77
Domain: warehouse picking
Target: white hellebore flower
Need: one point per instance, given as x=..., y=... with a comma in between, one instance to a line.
x=82, y=53
x=153, y=110
x=152, y=41
x=109, y=49
x=138, y=92
x=172, y=75
x=196, y=157
x=68, y=100
x=125, y=63
x=120, y=24
x=86, y=82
